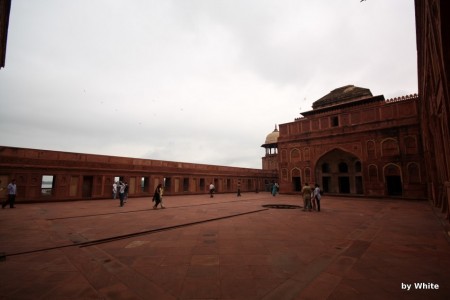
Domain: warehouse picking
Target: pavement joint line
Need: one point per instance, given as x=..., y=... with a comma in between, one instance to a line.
x=130, y=235
x=293, y=287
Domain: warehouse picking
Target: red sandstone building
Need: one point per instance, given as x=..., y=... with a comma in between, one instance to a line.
x=44, y=175
x=352, y=143
x=433, y=61
x=359, y=145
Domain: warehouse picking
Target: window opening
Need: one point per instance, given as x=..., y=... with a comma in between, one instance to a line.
x=145, y=182
x=335, y=121
x=343, y=168
x=47, y=185
x=185, y=184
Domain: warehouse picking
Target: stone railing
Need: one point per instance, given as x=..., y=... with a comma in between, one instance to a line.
x=402, y=98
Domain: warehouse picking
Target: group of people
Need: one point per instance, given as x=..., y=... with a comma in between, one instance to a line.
x=311, y=197
x=122, y=188
x=12, y=192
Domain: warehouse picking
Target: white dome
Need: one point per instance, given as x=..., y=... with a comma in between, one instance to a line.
x=272, y=137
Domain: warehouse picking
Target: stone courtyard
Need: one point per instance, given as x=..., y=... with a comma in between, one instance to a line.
x=225, y=247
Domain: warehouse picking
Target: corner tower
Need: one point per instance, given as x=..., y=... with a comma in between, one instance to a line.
x=270, y=160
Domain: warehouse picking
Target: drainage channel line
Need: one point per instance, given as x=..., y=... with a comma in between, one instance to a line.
x=126, y=236
x=140, y=210
x=130, y=235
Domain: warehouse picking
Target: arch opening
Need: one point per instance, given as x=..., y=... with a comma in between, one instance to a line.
x=339, y=172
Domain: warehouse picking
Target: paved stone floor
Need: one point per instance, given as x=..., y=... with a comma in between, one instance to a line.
x=225, y=247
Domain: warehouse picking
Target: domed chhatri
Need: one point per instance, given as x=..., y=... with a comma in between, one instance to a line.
x=270, y=160
x=272, y=137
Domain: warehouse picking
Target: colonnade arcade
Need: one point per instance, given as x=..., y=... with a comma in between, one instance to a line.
x=341, y=172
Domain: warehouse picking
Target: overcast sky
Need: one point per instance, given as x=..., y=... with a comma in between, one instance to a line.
x=200, y=81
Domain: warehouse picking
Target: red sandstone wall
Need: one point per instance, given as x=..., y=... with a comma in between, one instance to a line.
x=433, y=48
x=383, y=137
x=90, y=176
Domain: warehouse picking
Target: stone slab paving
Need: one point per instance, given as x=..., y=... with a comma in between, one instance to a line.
x=225, y=247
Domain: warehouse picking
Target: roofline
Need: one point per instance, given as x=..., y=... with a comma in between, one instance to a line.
x=269, y=144
x=343, y=105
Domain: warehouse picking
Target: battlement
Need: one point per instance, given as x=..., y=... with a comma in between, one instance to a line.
x=402, y=98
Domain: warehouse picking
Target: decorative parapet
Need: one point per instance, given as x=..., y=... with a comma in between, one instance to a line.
x=337, y=108
x=402, y=98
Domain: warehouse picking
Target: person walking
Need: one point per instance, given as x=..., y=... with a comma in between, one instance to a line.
x=161, y=192
x=306, y=192
x=125, y=196
x=275, y=189
x=239, y=190
x=212, y=189
x=121, y=187
x=12, y=192
x=157, y=196
x=317, y=196
x=313, y=199
x=114, y=190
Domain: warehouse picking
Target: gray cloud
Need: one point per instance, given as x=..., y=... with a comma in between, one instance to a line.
x=197, y=81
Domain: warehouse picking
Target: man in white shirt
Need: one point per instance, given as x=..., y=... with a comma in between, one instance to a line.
x=114, y=190
x=12, y=191
x=212, y=189
x=317, y=196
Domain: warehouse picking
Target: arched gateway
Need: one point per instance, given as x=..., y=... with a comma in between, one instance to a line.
x=353, y=143
x=339, y=172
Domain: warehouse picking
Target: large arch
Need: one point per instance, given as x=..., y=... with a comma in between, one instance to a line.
x=339, y=172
